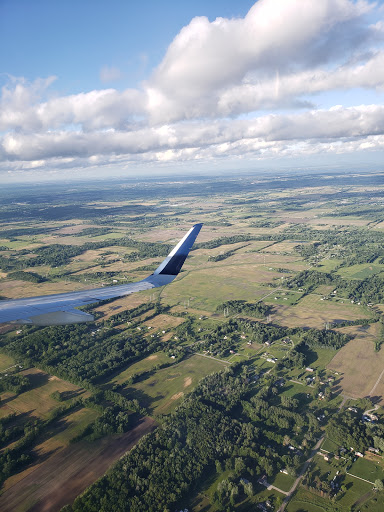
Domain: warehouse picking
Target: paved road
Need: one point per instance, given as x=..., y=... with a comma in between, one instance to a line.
x=301, y=474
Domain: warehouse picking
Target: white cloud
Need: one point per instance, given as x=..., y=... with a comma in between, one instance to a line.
x=334, y=124
x=205, y=60
x=282, y=55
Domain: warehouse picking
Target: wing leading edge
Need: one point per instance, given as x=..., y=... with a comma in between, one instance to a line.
x=59, y=309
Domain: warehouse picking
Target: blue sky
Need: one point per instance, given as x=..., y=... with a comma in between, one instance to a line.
x=121, y=87
x=74, y=40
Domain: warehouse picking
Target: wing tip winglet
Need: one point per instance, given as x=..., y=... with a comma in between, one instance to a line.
x=172, y=264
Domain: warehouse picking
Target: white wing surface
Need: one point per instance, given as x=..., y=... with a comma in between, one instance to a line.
x=59, y=309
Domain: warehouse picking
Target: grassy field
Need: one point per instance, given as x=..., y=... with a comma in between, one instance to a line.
x=143, y=365
x=311, y=311
x=367, y=469
x=304, y=501
x=37, y=401
x=162, y=392
x=283, y=481
x=6, y=362
x=211, y=287
x=61, y=432
x=329, y=446
x=361, y=271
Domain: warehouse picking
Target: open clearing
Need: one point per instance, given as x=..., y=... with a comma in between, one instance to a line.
x=311, y=311
x=360, y=365
x=6, y=362
x=37, y=401
x=144, y=365
x=66, y=474
x=212, y=286
x=161, y=392
x=163, y=322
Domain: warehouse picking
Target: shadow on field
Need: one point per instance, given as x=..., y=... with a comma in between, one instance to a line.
x=144, y=399
x=375, y=399
x=38, y=379
x=67, y=395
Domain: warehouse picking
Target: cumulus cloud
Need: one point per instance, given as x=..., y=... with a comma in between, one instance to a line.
x=276, y=36
x=282, y=55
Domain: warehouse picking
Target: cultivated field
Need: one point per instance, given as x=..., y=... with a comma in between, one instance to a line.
x=359, y=365
x=68, y=472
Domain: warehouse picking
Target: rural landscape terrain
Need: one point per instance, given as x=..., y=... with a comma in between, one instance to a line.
x=254, y=381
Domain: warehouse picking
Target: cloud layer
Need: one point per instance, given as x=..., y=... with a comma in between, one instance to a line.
x=247, y=88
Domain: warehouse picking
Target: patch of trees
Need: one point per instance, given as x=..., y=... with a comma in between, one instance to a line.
x=310, y=279
x=9, y=431
x=232, y=307
x=315, y=338
x=92, y=232
x=77, y=353
x=346, y=429
x=113, y=420
x=17, y=232
x=16, y=383
x=296, y=358
x=369, y=290
x=266, y=223
x=224, y=240
x=32, y=277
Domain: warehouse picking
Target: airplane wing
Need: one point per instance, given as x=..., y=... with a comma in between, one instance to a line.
x=59, y=309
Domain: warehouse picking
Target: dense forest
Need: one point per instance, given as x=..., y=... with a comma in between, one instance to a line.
x=204, y=435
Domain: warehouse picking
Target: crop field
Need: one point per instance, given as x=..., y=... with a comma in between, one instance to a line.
x=67, y=472
x=162, y=392
x=359, y=366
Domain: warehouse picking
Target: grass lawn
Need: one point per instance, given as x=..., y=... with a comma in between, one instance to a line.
x=305, y=501
x=6, y=362
x=355, y=490
x=367, y=469
x=329, y=446
x=283, y=481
